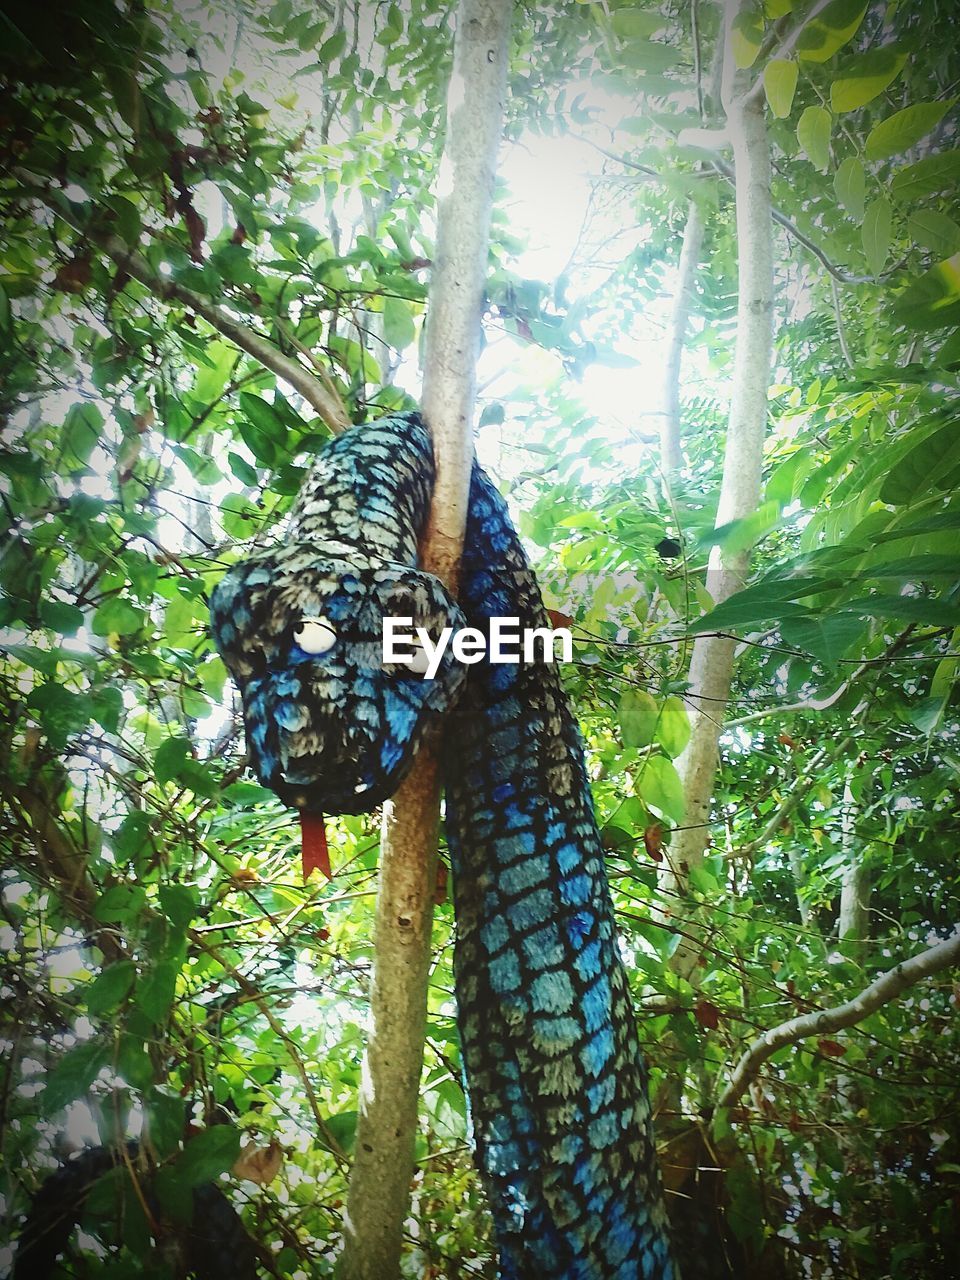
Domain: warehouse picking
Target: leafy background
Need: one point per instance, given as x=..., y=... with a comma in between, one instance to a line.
x=166, y=973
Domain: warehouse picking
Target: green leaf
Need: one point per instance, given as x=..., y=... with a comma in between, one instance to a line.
x=850, y=185
x=208, y=1154
x=746, y=37
x=876, y=233
x=81, y=431
x=827, y=638
x=169, y=759
x=166, y=1119
x=133, y=1062
x=927, y=177
x=332, y=49
x=117, y=616
x=933, y=300
x=636, y=24
x=830, y=30
x=780, y=84
x=673, y=727
x=262, y=428
x=813, y=134
x=121, y=904
x=242, y=470
x=921, y=467
x=869, y=75
x=637, y=713
x=398, y=327
x=935, y=613
x=660, y=787
x=935, y=231
x=178, y=903
x=900, y=132
x=649, y=56
x=110, y=988
x=60, y=616
x=343, y=1129
x=73, y=1075
x=156, y=992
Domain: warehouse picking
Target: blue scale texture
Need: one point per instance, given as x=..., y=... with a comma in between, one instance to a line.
x=556, y=1083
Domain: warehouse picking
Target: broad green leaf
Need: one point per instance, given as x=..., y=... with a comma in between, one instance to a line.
x=673, y=727
x=332, y=49
x=155, y=993
x=868, y=76
x=813, y=134
x=169, y=759
x=649, y=55
x=637, y=714
x=876, y=232
x=81, y=431
x=780, y=84
x=73, y=1075
x=399, y=329
x=261, y=425
x=900, y=132
x=746, y=37
x=919, y=609
x=636, y=24
x=827, y=637
x=208, y=1154
x=928, y=176
x=178, y=903
x=920, y=468
x=110, y=988
x=850, y=185
x=660, y=787
x=133, y=1062
x=117, y=616
x=61, y=616
x=935, y=231
x=166, y=1119
x=916, y=568
x=342, y=1128
x=120, y=904
x=933, y=300
x=830, y=30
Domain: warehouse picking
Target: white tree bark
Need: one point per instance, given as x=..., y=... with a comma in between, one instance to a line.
x=379, y=1193
x=712, y=662
x=671, y=449
x=854, y=927
x=881, y=991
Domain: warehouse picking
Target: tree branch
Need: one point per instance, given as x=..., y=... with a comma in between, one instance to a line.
x=888, y=987
x=379, y=1193
x=327, y=404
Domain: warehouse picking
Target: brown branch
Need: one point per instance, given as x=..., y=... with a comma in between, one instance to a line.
x=888, y=987
x=320, y=397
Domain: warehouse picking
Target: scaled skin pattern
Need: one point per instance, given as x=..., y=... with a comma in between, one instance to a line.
x=556, y=1082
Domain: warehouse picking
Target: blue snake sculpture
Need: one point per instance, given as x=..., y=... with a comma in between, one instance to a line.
x=556, y=1081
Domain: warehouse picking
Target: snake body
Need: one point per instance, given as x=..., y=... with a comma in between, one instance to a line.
x=556, y=1082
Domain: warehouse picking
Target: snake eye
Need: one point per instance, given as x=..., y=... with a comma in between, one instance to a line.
x=416, y=665
x=316, y=635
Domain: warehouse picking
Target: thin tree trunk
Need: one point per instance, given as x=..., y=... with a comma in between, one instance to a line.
x=671, y=450
x=853, y=929
x=379, y=1193
x=712, y=662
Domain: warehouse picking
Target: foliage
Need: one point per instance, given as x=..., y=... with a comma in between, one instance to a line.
x=167, y=973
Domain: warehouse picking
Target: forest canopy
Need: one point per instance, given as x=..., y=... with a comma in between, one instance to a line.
x=218, y=232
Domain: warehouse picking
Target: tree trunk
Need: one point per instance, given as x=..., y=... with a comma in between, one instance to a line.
x=379, y=1193
x=671, y=450
x=853, y=929
x=711, y=667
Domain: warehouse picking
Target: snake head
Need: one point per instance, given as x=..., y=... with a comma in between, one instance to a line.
x=330, y=727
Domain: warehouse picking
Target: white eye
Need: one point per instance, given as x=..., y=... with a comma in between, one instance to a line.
x=316, y=635
x=418, y=664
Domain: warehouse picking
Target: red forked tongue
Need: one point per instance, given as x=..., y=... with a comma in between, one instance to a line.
x=314, y=853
